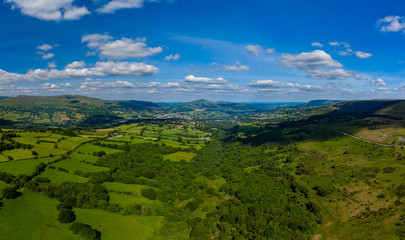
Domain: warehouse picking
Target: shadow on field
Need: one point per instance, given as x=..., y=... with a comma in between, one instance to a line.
x=349, y=117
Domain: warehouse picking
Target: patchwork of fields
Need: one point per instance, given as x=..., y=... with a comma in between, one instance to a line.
x=73, y=159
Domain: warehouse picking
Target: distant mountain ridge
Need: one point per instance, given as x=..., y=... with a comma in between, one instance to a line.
x=315, y=103
x=75, y=110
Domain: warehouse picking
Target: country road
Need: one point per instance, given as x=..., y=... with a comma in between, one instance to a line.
x=364, y=140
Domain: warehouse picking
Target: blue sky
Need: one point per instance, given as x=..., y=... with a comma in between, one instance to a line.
x=181, y=50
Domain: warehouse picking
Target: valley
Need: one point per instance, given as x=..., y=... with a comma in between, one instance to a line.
x=331, y=171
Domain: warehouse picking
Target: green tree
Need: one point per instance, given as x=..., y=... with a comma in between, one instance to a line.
x=66, y=215
x=10, y=193
x=149, y=193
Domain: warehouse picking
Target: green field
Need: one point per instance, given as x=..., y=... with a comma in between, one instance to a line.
x=115, y=226
x=24, y=166
x=91, y=148
x=32, y=216
x=60, y=176
x=83, y=157
x=72, y=166
x=122, y=187
x=128, y=200
x=67, y=144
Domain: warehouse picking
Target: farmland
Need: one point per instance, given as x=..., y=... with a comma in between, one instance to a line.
x=318, y=177
x=73, y=159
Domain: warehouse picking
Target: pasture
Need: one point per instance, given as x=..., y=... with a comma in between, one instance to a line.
x=32, y=216
x=58, y=176
x=115, y=226
x=26, y=167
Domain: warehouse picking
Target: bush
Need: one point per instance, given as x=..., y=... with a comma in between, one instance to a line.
x=322, y=191
x=149, y=193
x=192, y=205
x=85, y=231
x=10, y=193
x=66, y=215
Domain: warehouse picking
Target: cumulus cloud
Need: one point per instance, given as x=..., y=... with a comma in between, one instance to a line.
x=329, y=74
x=100, y=69
x=344, y=44
x=115, y=5
x=204, y=80
x=173, y=87
x=309, y=60
x=49, y=10
x=316, y=44
x=254, y=49
x=123, y=48
x=47, y=55
x=270, y=84
x=49, y=86
x=76, y=65
x=270, y=51
x=391, y=24
x=363, y=54
x=400, y=88
x=75, y=13
x=174, y=57
x=276, y=86
x=238, y=67
x=318, y=64
x=378, y=82
x=52, y=64
x=92, y=85
x=44, y=47
x=348, y=51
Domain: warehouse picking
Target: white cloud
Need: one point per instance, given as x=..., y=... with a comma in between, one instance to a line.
x=276, y=86
x=392, y=24
x=270, y=84
x=48, y=56
x=329, y=74
x=119, y=49
x=316, y=44
x=91, y=84
x=359, y=77
x=363, y=54
x=44, y=47
x=115, y=5
x=335, y=44
x=309, y=60
x=254, y=49
x=270, y=51
x=400, y=88
x=344, y=53
x=160, y=87
x=349, y=51
x=52, y=64
x=174, y=57
x=49, y=86
x=378, y=82
x=238, y=67
x=100, y=69
x=96, y=40
x=318, y=64
x=204, y=80
x=49, y=10
x=76, y=65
